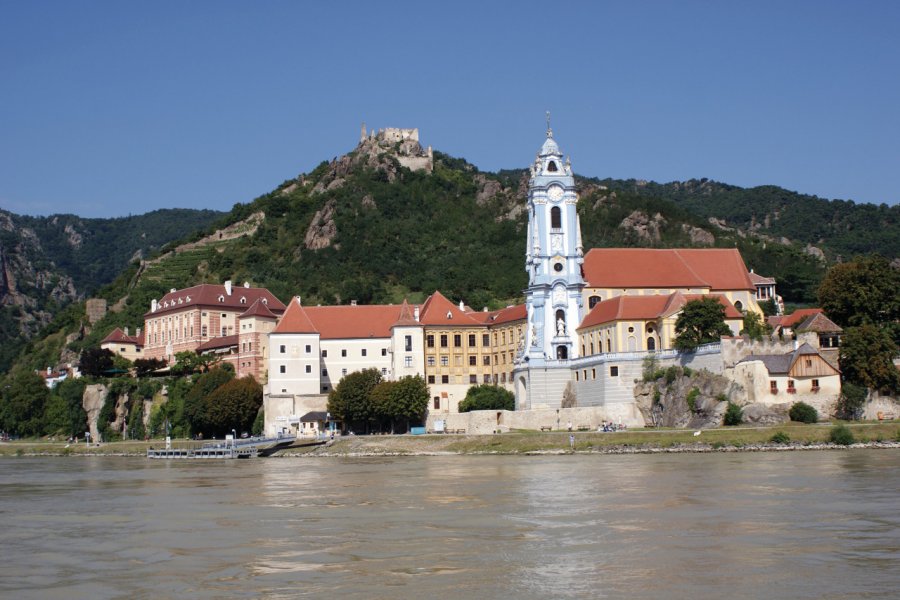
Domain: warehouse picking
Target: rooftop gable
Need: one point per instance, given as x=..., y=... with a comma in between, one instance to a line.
x=437, y=310
x=295, y=320
x=117, y=336
x=258, y=309
x=214, y=295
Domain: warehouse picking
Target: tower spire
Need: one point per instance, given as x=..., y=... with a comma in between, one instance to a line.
x=549, y=131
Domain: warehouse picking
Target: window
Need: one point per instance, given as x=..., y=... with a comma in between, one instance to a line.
x=443, y=340
x=502, y=377
x=308, y=348
x=344, y=353
x=282, y=369
x=458, y=361
x=445, y=379
x=773, y=387
x=551, y=166
x=408, y=343
x=407, y=361
x=445, y=361
x=281, y=348
x=457, y=340
x=815, y=385
x=430, y=361
x=324, y=353
x=324, y=388
x=309, y=368
x=592, y=301
x=363, y=351
x=739, y=305
x=486, y=378
x=343, y=372
x=437, y=403
x=614, y=371
x=429, y=341
x=593, y=373
x=471, y=340
x=384, y=370
x=486, y=360
x=473, y=379
x=324, y=372
x=555, y=217
x=384, y=351
x=485, y=339
x=431, y=379
x=577, y=375
x=224, y=331
x=809, y=362
x=790, y=388
x=473, y=360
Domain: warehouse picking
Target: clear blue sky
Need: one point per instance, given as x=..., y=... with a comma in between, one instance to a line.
x=111, y=108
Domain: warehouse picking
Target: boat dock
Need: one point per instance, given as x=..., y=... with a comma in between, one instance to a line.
x=244, y=448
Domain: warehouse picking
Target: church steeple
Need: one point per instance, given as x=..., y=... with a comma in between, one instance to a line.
x=553, y=258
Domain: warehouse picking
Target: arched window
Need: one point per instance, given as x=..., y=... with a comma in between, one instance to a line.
x=739, y=305
x=555, y=218
x=593, y=300
x=552, y=166
x=562, y=353
x=651, y=344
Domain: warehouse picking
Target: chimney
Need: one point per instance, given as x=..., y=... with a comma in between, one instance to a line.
x=416, y=314
x=49, y=370
x=153, y=305
x=246, y=284
x=137, y=332
x=462, y=306
x=353, y=303
x=126, y=330
x=298, y=300
x=172, y=291
x=228, y=288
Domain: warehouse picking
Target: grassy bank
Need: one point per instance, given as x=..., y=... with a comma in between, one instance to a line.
x=519, y=442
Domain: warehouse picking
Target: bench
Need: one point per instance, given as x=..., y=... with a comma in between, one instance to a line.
x=583, y=428
x=885, y=416
x=454, y=431
x=546, y=427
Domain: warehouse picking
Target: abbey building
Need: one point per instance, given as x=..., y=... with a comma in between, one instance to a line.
x=588, y=320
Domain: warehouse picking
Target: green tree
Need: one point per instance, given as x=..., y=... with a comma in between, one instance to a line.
x=234, y=405
x=700, y=322
x=64, y=413
x=351, y=402
x=24, y=399
x=801, y=412
x=487, y=397
x=734, y=414
x=198, y=413
x=755, y=327
x=404, y=400
x=861, y=291
x=188, y=362
x=95, y=362
x=145, y=366
x=769, y=307
x=867, y=357
x=851, y=401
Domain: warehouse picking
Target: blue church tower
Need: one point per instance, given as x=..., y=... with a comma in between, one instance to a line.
x=553, y=260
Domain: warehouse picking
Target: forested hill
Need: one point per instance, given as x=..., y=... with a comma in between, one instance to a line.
x=49, y=262
x=362, y=227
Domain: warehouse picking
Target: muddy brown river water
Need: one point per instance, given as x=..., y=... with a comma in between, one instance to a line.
x=822, y=524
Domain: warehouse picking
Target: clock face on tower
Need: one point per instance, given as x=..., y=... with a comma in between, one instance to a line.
x=555, y=192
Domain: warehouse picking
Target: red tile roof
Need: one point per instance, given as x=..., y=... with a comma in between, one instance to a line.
x=258, y=309
x=637, y=308
x=349, y=322
x=208, y=294
x=407, y=316
x=798, y=316
x=437, y=310
x=117, y=336
x=760, y=280
x=517, y=312
x=715, y=268
x=295, y=320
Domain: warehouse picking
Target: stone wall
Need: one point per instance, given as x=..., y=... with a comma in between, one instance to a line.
x=734, y=349
x=279, y=410
x=95, y=309
x=489, y=421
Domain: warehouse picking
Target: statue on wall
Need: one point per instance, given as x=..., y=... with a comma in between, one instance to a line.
x=560, y=327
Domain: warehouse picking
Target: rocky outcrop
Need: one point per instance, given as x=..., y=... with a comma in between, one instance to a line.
x=645, y=227
x=322, y=229
x=692, y=401
x=487, y=189
x=92, y=402
x=699, y=237
x=766, y=414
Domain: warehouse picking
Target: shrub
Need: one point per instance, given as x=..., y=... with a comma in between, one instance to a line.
x=851, y=401
x=780, y=437
x=803, y=413
x=692, y=399
x=688, y=371
x=672, y=374
x=841, y=435
x=734, y=414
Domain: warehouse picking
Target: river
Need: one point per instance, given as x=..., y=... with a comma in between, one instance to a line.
x=822, y=524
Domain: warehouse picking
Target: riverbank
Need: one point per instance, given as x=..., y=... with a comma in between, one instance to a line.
x=647, y=441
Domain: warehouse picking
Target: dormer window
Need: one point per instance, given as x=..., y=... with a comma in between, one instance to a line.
x=187, y=299
x=221, y=298
x=243, y=300
x=265, y=301
x=180, y=301
x=449, y=315
x=551, y=166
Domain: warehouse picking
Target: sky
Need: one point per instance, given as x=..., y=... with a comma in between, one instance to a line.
x=117, y=108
